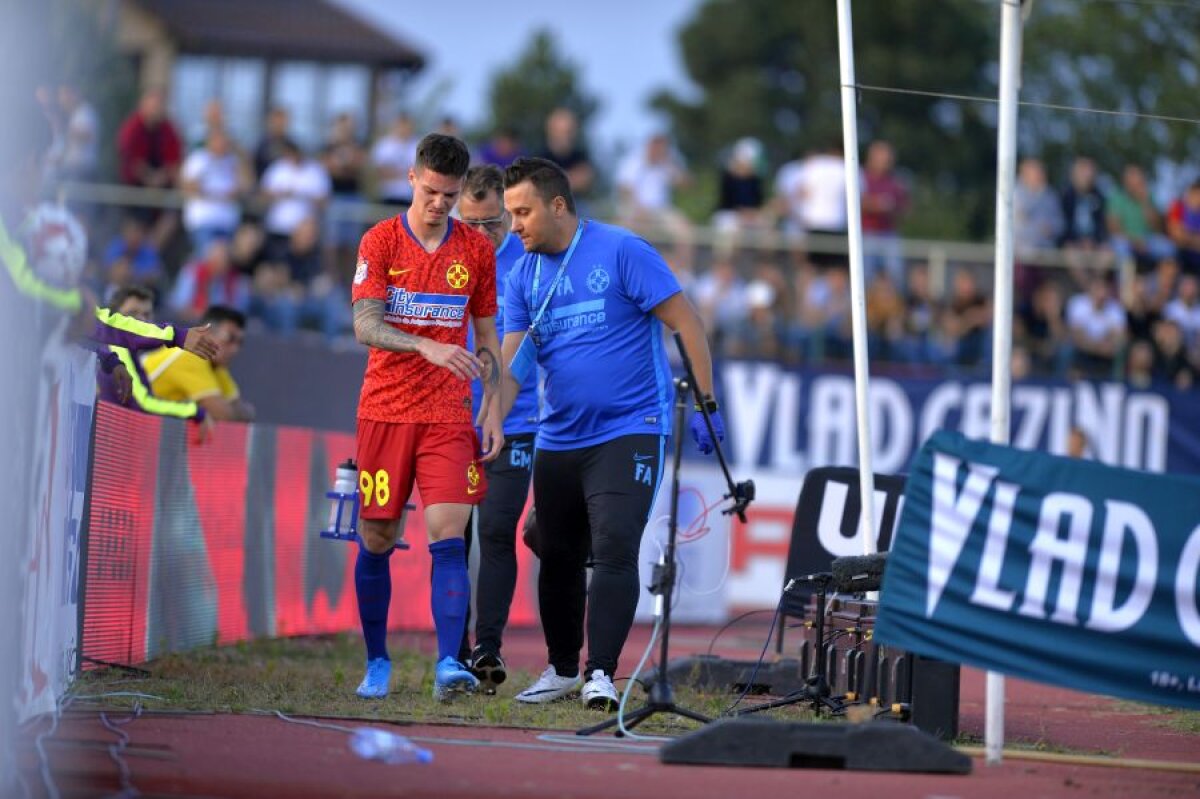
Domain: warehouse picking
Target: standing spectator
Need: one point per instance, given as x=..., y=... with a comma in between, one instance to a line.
x=392, y=158
x=1085, y=231
x=80, y=152
x=149, y=146
x=1135, y=224
x=1037, y=212
x=150, y=153
x=1183, y=226
x=130, y=258
x=344, y=157
x=1097, y=325
x=814, y=192
x=209, y=280
x=564, y=148
x=270, y=147
x=502, y=148
x=214, y=181
x=741, y=197
x=297, y=188
x=646, y=181
x=884, y=202
x=1184, y=310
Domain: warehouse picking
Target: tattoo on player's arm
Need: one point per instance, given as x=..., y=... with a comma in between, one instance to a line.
x=489, y=361
x=371, y=329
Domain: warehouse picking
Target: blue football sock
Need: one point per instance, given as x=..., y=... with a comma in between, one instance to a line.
x=373, y=584
x=451, y=594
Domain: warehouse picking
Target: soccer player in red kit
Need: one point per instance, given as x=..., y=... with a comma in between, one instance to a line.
x=421, y=277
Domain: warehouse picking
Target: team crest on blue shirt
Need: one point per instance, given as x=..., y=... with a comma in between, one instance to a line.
x=597, y=280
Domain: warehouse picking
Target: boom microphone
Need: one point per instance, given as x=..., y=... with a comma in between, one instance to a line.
x=859, y=572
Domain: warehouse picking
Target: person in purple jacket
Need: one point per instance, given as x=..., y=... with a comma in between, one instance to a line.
x=137, y=302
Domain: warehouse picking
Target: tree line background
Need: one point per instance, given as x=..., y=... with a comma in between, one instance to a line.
x=770, y=70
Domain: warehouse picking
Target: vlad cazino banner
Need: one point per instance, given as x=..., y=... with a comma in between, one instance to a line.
x=1057, y=570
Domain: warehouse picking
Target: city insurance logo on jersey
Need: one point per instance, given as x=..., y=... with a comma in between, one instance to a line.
x=425, y=308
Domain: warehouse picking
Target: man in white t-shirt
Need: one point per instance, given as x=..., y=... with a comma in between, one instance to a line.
x=1097, y=325
x=646, y=181
x=393, y=155
x=214, y=180
x=298, y=188
x=813, y=193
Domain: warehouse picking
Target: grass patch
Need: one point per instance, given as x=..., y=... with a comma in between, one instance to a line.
x=1178, y=719
x=317, y=676
x=1039, y=745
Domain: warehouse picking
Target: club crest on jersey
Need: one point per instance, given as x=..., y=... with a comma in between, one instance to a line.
x=425, y=308
x=360, y=271
x=597, y=280
x=457, y=275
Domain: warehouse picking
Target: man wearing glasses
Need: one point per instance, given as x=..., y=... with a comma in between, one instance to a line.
x=482, y=207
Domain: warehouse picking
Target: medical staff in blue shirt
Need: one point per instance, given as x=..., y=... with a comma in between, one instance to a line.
x=586, y=304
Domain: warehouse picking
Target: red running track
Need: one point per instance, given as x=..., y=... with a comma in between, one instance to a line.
x=261, y=756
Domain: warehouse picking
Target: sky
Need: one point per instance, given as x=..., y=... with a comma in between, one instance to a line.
x=624, y=53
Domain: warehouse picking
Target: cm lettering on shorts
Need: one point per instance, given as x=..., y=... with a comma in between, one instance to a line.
x=520, y=456
x=425, y=308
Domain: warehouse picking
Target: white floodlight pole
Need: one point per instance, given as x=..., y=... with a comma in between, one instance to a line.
x=858, y=305
x=1006, y=172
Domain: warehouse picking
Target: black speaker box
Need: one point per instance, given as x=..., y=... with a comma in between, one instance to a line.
x=876, y=746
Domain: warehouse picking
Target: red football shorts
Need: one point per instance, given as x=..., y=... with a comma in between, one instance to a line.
x=442, y=459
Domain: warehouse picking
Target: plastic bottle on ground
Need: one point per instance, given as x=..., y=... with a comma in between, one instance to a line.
x=372, y=743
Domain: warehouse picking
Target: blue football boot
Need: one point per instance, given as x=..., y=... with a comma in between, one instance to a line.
x=449, y=677
x=375, y=683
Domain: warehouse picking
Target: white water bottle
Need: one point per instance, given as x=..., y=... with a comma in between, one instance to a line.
x=375, y=744
x=345, y=482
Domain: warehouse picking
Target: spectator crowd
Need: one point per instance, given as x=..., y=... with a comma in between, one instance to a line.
x=269, y=229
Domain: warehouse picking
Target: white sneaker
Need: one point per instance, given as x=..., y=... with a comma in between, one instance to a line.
x=599, y=693
x=549, y=688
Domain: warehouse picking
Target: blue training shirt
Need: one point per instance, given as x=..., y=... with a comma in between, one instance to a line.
x=599, y=345
x=523, y=418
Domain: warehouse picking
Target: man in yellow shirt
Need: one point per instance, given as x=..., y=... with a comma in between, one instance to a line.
x=179, y=375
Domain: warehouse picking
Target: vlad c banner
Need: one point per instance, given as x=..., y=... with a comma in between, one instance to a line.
x=1050, y=569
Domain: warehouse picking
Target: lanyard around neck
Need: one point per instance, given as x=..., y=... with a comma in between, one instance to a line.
x=562, y=268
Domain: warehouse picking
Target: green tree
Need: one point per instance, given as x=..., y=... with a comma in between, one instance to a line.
x=1119, y=56
x=540, y=80
x=770, y=70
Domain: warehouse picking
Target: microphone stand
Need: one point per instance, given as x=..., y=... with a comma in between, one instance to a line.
x=816, y=690
x=660, y=695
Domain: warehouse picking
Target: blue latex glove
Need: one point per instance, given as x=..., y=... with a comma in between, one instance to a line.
x=700, y=434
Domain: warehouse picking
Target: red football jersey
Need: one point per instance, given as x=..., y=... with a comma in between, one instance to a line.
x=430, y=294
